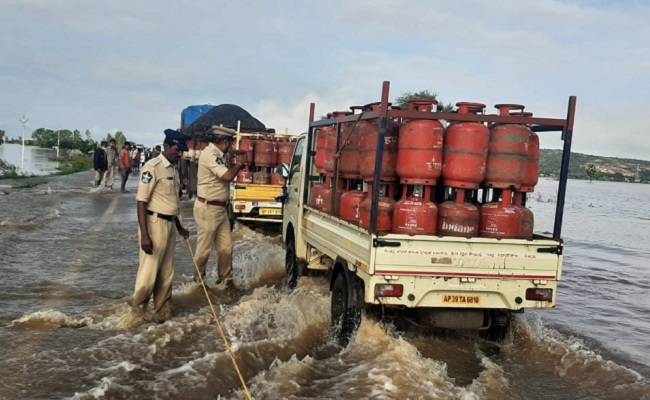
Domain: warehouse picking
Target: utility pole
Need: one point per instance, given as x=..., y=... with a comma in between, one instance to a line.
x=23, y=121
x=58, y=140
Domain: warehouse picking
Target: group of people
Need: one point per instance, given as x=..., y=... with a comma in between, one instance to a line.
x=158, y=217
x=104, y=163
x=127, y=161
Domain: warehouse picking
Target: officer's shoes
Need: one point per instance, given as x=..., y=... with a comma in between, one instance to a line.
x=197, y=280
x=226, y=284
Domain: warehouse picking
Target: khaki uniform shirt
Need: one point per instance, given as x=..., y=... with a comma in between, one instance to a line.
x=111, y=156
x=158, y=187
x=212, y=166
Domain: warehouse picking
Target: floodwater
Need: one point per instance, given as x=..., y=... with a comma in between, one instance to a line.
x=37, y=160
x=68, y=260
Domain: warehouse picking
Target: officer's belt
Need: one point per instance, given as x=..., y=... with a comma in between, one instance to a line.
x=212, y=202
x=162, y=216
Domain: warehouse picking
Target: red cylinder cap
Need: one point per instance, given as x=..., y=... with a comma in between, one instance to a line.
x=469, y=108
x=338, y=114
x=423, y=105
x=505, y=109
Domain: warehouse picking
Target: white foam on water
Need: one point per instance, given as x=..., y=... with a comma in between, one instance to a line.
x=100, y=189
x=271, y=315
x=492, y=382
x=376, y=364
x=30, y=221
x=126, y=366
x=101, y=391
x=571, y=357
x=256, y=258
x=50, y=319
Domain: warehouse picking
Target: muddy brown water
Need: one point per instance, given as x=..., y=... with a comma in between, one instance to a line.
x=68, y=259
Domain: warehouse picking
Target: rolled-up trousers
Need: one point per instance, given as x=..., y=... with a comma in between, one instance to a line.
x=213, y=231
x=156, y=270
x=109, y=176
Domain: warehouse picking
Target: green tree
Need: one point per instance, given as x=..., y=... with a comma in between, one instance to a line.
x=591, y=171
x=403, y=100
x=120, y=138
x=65, y=138
x=2, y=136
x=88, y=135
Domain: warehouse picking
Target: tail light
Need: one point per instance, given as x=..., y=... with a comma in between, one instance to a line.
x=389, y=290
x=539, y=294
x=240, y=207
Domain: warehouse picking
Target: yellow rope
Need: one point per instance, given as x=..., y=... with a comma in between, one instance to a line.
x=214, y=313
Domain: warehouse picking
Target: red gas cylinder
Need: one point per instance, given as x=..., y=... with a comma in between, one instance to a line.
x=458, y=218
x=508, y=152
x=330, y=144
x=415, y=214
x=285, y=150
x=349, y=206
x=527, y=217
x=500, y=220
x=246, y=144
x=385, y=209
x=532, y=167
x=321, y=141
x=316, y=200
x=245, y=176
x=368, y=136
x=465, y=150
x=277, y=179
x=327, y=194
x=261, y=178
x=274, y=155
x=264, y=153
x=350, y=159
x=419, y=154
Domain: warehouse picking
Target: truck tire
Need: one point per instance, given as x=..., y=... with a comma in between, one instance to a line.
x=345, y=317
x=291, y=266
x=500, y=328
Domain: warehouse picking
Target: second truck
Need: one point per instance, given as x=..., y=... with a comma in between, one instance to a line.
x=254, y=194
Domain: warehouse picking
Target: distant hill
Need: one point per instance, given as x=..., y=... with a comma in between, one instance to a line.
x=609, y=168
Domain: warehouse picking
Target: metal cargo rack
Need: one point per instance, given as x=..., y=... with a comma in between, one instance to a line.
x=385, y=114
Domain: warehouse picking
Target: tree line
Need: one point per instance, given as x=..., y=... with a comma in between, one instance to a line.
x=65, y=139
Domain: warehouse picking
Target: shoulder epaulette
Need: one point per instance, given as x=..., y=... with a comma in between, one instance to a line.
x=154, y=161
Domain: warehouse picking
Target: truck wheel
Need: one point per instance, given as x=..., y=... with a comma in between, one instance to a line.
x=500, y=327
x=345, y=317
x=291, y=267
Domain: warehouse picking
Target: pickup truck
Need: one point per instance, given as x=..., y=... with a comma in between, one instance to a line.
x=257, y=202
x=433, y=281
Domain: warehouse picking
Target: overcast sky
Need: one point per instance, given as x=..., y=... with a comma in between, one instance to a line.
x=135, y=65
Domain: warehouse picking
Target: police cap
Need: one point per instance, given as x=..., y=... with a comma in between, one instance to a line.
x=173, y=137
x=220, y=132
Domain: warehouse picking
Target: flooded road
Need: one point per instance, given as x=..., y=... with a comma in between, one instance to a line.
x=68, y=260
x=36, y=161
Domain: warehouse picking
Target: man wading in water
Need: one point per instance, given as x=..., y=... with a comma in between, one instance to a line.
x=158, y=210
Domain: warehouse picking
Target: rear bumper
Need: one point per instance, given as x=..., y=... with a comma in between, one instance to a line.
x=260, y=211
x=447, y=292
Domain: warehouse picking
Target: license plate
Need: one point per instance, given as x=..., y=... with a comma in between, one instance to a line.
x=461, y=299
x=270, y=211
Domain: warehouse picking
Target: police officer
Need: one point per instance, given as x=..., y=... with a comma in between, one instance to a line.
x=210, y=207
x=158, y=210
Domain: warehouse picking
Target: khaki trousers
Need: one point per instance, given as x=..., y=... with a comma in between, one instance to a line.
x=109, y=176
x=213, y=231
x=156, y=270
x=99, y=174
